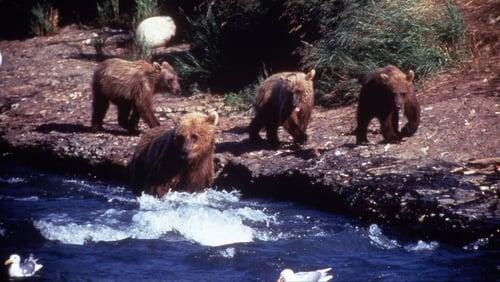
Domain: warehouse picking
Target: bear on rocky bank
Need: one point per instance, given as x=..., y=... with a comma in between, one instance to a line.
x=130, y=85
x=177, y=159
x=286, y=99
x=383, y=92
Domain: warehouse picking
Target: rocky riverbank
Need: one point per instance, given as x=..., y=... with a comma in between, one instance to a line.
x=423, y=185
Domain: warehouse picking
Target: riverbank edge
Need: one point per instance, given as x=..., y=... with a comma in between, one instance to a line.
x=397, y=207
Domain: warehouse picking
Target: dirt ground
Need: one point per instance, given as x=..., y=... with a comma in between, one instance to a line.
x=45, y=111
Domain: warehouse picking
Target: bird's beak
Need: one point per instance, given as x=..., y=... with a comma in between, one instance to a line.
x=281, y=279
x=7, y=262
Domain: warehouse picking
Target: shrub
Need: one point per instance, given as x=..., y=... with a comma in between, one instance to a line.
x=145, y=9
x=45, y=19
x=363, y=35
x=232, y=39
x=108, y=12
x=205, y=57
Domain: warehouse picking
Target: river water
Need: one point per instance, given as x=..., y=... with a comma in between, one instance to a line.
x=85, y=229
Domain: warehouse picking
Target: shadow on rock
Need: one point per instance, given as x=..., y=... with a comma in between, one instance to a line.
x=238, y=130
x=238, y=148
x=75, y=128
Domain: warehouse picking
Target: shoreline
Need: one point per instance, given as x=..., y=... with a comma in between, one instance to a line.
x=45, y=117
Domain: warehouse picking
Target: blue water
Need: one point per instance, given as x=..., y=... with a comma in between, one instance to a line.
x=85, y=229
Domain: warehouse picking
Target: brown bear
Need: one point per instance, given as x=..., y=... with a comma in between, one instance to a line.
x=130, y=85
x=177, y=159
x=286, y=99
x=383, y=92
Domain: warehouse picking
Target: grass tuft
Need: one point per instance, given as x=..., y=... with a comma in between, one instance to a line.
x=45, y=19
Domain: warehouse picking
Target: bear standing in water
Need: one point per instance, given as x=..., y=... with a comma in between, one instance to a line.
x=177, y=159
x=130, y=85
x=383, y=92
x=286, y=99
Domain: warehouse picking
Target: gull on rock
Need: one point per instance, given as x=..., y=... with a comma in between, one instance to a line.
x=320, y=275
x=25, y=269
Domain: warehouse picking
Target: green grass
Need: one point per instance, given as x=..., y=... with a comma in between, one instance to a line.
x=108, y=12
x=44, y=19
x=370, y=34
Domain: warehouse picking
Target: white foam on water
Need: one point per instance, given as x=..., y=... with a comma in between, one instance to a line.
x=422, y=246
x=474, y=246
x=13, y=180
x=22, y=199
x=227, y=253
x=78, y=234
x=379, y=239
x=210, y=218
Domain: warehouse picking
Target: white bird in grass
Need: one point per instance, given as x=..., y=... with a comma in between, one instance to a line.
x=320, y=275
x=25, y=269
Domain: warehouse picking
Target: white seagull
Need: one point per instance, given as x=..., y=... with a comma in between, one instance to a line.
x=320, y=275
x=25, y=269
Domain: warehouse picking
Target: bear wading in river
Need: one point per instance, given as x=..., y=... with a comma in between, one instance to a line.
x=383, y=92
x=131, y=86
x=179, y=159
x=286, y=99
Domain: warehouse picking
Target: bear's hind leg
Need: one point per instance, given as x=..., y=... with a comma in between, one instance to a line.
x=254, y=128
x=124, y=114
x=145, y=110
x=100, y=105
x=272, y=134
x=133, y=122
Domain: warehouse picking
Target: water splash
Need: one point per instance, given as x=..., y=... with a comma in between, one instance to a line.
x=422, y=246
x=227, y=253
x=379, y=239
x=210, y=218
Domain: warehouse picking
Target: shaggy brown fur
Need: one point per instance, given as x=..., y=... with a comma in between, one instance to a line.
x=178, y=159
x=383, y=92
x=286, y=99
x=130, y=85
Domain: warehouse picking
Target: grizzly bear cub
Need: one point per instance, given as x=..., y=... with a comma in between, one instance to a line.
x=130, y=85
x=286, y=99
x=177, y=159
x=383, y=92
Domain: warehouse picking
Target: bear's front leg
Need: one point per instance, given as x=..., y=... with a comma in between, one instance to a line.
x=388, y=130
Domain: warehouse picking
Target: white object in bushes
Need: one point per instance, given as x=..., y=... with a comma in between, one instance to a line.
x=155, y=31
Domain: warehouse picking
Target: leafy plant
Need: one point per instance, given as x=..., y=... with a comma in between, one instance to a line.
x=45, y=19
x=364, y=35
x=145, y=9
x=108, y=12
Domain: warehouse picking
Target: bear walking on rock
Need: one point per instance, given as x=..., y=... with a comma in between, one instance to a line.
x=286, y=99
x=177, y=159
x=383, y=92
x=130, y=85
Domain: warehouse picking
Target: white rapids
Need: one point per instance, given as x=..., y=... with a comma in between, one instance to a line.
x=210, y=218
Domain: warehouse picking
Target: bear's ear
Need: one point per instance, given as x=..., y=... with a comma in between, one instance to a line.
x=410, y=76
x=157, y=66
x=213, y=118
x=166, y=65
x=311, y=74
x=384, y=77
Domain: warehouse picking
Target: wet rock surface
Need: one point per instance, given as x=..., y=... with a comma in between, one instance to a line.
x=416, y=185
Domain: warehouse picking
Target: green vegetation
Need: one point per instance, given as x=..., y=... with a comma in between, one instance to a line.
x=363, y=35
x=145, y=9
x=198, y=65
x=342, y=39
x=45, y=19
x=108, y=12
